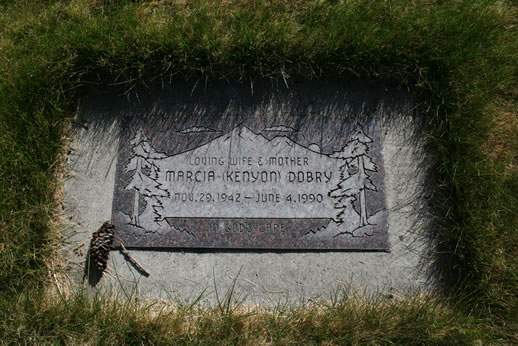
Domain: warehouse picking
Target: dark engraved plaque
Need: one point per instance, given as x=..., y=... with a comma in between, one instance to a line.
x=251, y=181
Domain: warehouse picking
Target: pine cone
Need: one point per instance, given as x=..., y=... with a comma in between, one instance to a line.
x=100, y=246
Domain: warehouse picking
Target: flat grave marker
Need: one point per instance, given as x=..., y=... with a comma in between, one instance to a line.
x=221, y=184
x=250, y=182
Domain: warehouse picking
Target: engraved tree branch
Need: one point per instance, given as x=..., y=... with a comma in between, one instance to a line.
x=143, y=184
x=156, y=203
x=354, y=177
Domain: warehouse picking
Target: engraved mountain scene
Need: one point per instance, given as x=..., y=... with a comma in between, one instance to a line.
x=261, y=174
x=244, y=175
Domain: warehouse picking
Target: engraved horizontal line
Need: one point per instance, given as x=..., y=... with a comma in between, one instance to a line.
x=249, y=218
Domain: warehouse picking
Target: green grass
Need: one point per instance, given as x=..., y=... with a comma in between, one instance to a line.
x=459, y=59
x=344, y=319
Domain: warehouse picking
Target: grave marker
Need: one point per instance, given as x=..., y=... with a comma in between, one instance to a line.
x=250, y=182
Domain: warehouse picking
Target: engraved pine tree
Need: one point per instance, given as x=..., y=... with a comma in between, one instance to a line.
x=145, y=173
x=354, y=176
x=154, y=204
x=344, y=200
